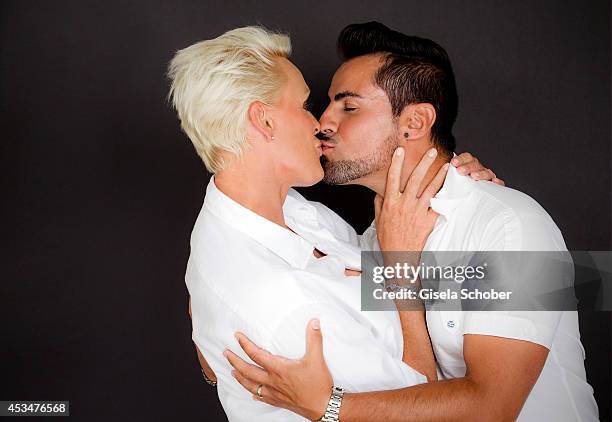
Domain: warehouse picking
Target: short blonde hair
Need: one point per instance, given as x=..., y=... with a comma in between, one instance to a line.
x=213, y=83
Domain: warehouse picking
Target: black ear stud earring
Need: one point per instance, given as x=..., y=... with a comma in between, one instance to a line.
x=406, y=134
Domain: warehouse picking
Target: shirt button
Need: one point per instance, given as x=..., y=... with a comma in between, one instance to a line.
x=450, y=324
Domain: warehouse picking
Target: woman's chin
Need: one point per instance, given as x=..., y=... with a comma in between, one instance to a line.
x=315, y=177
x=319, y=175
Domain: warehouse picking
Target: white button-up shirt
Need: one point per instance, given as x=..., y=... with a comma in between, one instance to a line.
x=482, y=216
x=248, y=274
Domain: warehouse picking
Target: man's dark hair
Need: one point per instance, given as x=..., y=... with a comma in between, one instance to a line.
x=413, y=70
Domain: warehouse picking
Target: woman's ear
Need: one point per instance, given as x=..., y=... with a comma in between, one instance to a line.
x=260, y=120
x=416, y=121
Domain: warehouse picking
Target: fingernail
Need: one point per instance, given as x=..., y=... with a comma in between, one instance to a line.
x=316, y=325
x=454, y=162
x=432, y=152
x=225, y=353
x=233, y=373
x=399, y=151
x=461, y=171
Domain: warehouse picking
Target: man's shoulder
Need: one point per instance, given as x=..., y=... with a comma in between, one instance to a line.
x=501, y=199
x=523, y=222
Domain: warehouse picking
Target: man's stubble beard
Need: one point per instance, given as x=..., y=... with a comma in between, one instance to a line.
x=344, y=171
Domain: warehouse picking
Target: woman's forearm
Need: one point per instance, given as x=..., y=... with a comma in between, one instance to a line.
x=418, y=352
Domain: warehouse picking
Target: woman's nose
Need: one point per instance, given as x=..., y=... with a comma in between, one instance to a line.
x=317, y=126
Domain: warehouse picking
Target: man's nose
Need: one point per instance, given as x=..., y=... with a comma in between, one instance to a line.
x=329, y=126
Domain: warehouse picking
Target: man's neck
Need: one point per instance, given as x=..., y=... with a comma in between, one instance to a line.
x=378, y=181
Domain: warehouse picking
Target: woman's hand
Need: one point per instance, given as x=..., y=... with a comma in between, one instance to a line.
x=468, y=165
x=404, y=221
x=403, y=217
x=206, y=369
x=302, y=386
x=413, y=209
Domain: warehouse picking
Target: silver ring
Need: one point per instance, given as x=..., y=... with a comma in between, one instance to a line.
x=258, y=393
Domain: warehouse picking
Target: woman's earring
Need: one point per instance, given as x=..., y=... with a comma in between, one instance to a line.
x=406, y=135
x=272, y=138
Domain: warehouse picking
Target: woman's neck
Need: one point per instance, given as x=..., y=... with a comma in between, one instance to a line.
x=262, y=194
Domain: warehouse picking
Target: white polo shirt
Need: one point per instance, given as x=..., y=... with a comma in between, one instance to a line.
x=248, y=274
x=483, y=216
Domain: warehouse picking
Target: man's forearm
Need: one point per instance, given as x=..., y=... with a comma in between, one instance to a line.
x=501, y=373
x=450, y=400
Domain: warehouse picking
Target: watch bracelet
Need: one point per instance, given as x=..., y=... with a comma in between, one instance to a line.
x=332, y=412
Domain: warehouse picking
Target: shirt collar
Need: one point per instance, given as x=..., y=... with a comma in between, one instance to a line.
x=304, y=218
x=292, y=248
x=455, y=190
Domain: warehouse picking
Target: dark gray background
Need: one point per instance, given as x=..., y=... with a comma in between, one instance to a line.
x=100, y=188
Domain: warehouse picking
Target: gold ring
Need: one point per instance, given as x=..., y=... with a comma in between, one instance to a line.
x=259, y=391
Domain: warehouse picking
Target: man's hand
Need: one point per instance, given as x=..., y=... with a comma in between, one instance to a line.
x=302, y=386
x=468, y=165
x=403, y=217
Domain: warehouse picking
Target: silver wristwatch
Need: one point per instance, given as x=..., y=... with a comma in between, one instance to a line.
x=332, y=413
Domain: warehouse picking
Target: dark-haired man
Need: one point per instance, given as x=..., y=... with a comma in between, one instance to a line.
x=493, y=365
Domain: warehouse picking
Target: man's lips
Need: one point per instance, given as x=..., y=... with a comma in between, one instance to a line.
x=326, y=145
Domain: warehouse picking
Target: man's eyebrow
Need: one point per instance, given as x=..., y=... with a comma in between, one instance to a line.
x=345, y=94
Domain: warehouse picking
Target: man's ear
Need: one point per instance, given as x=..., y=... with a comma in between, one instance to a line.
x=416, y=121
x=260, y=120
